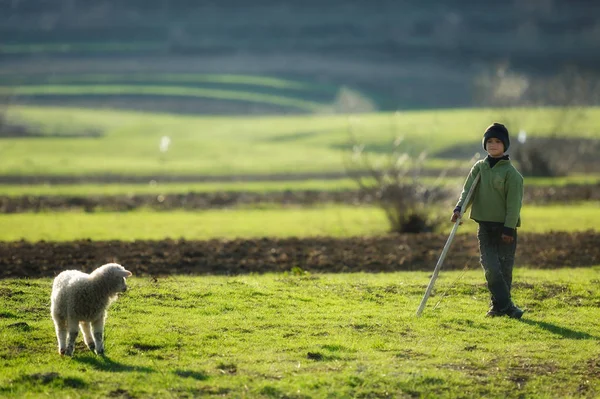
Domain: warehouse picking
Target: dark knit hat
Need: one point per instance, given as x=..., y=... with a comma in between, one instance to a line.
x=499, y=131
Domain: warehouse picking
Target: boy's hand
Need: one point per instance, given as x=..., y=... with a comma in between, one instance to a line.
x=455, y=217
x=507, y=239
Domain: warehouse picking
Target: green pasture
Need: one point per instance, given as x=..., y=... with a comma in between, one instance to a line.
x=17, y=79
x=314, y=336
x=89, y=83
x=177, y=91
x=154, y=187
x=269, y=221
x=231, y=145
x=90, y=47
x=294, y=95
x=158, y=188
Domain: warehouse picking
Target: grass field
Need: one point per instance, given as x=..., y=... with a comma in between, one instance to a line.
x=89, y=83
x=296, y=96
x=305, y=336
x=270, y=221
x=153, y=187
x=248, y=145
x=177, y=91
x=79, y=47
x=18, y=79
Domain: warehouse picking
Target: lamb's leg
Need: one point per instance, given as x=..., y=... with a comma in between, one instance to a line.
x=86, y=330
x=60, y=325
x=98, y=329
x=71, y=336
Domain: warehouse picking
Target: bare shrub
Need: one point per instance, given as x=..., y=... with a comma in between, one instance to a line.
x=394, y=182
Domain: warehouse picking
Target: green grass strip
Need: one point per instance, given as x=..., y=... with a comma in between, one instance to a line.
x=334, y=221
x=249, y=80
x=153, y=187
x=219, y=94
x=79, y=47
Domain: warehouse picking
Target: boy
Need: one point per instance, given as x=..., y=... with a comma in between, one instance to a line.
x=496, y=207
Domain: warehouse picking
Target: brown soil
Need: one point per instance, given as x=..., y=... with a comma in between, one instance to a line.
x=315, y=255
x=232, y=199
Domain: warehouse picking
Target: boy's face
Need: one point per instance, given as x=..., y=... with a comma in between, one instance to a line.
x=494, y=147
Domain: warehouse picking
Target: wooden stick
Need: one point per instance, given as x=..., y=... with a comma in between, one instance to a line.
x=436, y=271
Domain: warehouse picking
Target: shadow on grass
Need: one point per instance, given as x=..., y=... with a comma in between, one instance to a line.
x=48, y=378
x=562, y=331
x=103, y=363
x=197, y=375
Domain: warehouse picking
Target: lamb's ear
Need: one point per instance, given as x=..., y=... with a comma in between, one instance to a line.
x=125, y=273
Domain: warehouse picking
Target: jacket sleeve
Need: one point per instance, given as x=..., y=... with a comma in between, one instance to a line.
x=514, y=200
x=467, y=186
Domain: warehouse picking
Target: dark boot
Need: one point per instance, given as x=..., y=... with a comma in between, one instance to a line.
x=494, y=312
x=514, y=312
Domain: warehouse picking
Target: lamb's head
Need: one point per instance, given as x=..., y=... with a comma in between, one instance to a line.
x=112, y=276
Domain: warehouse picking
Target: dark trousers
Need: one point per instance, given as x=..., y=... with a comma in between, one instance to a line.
x=497, y=260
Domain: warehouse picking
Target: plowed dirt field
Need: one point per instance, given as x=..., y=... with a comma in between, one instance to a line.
x=315, y=255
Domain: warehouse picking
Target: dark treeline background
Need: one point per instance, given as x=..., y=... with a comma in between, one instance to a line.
x=406, y=54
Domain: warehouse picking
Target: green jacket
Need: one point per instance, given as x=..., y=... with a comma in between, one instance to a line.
x=498, y=196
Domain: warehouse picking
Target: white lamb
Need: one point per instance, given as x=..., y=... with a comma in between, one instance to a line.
x=82, y=299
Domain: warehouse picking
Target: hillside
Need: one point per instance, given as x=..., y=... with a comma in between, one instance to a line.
x=366, y=56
